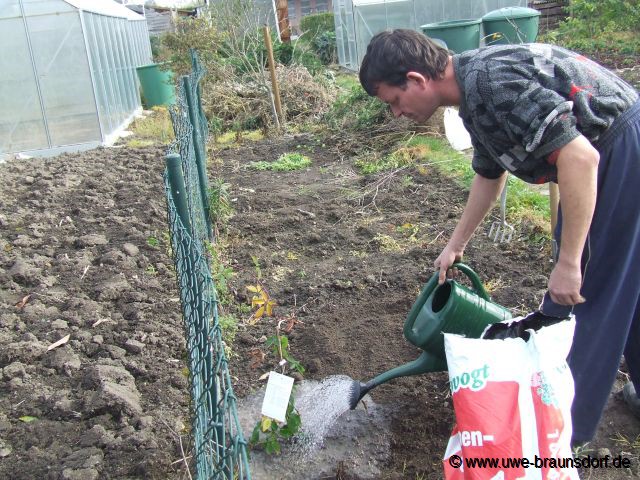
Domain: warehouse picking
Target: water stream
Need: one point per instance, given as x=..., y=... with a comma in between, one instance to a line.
x=330, y=435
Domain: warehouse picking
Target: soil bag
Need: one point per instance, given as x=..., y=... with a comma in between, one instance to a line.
x=454, y=130
x=512, y=396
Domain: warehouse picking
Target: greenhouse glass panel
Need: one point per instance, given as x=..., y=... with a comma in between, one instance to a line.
x=357, y=21
x=136, y=28
x=130, y=84
x=134, y=42
x=128, y=50
x=345, y=34
x=120, y=67
x=147, y=43
x=115, y=69
x=145, y=56
x=373, y=16
x=140, y=35
x=444, y=10
x=97, y=73
x=65, y=82
x=45, y=7
x=67, y=73
x=122, y=70
x=139, y=32
x=10, y=9
x=107, y=68
x=22, y=125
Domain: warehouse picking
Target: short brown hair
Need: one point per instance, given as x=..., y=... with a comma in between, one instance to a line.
x=392, y=54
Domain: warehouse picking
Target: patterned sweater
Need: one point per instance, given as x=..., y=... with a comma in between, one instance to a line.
x=521, y=103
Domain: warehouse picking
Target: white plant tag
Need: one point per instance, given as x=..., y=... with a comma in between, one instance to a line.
x=276, y=396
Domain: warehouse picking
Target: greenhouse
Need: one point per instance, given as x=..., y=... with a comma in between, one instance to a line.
x=67, y=73
x=359, y=20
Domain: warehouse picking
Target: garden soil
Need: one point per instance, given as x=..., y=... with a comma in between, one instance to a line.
x=84, y=256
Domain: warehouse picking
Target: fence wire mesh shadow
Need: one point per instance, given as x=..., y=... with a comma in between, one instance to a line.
x=219, y=448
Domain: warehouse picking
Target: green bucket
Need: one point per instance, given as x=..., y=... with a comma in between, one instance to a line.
x=459, y=35
x=511, y=25
x=157, y=85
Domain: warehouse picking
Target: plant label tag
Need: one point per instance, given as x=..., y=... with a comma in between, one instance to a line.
x=276, y=396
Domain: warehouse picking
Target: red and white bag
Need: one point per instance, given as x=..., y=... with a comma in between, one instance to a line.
x=512, y=399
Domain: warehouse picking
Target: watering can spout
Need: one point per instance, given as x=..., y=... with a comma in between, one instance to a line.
x=425, y=363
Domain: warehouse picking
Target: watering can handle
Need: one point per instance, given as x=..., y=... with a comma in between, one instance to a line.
x=428, y=289
x=475, y=280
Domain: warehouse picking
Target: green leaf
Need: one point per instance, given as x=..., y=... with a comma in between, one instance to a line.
x=28, y=419
x=255, y=435
x=295, y=364
x=293, y=425
x=272, y=445
x=295, y=420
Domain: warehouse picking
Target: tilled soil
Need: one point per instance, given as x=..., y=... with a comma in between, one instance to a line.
x=79, y=258
x=346, y=255
x=83, y=252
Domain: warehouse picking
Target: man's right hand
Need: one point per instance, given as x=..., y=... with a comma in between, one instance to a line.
x=446, y=259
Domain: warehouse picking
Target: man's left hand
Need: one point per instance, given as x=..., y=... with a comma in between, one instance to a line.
x=564, y=284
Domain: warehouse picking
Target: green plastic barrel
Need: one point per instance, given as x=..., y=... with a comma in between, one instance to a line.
x=459, y=35
x=511, y=25
x=157, y=85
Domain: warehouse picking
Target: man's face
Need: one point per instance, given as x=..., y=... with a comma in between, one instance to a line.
x=414, y=100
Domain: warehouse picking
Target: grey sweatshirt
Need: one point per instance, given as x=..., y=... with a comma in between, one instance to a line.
x=521, y=103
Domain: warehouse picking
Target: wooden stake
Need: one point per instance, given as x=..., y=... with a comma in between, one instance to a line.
x=272, y=70
x=282, y=9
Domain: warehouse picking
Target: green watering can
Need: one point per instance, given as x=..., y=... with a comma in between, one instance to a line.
x=447, y=308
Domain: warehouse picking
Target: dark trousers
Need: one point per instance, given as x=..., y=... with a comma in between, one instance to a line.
x=608, y=323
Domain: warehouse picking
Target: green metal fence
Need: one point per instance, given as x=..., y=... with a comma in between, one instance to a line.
x=189, y=126
x=219, y=448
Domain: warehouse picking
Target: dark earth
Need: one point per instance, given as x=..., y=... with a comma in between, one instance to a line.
x=84, y=253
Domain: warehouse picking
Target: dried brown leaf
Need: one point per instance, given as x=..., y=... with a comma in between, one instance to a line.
x=291, y=322
x=257, y=357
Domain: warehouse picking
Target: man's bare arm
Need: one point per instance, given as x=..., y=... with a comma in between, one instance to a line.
x=482, y=196
x=577, y=165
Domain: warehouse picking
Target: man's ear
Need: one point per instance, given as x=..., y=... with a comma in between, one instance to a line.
x=418, y=78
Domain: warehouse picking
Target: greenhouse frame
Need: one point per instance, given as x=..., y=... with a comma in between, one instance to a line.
x=357, y=21
x=68, y=73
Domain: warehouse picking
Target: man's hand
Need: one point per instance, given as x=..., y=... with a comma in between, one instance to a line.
x=564, y=284
x=448, y=257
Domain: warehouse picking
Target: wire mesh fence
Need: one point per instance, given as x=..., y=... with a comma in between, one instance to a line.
x=187, y=122
x=219, y=448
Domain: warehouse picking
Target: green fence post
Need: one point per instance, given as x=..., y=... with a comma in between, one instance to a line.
x=179, y=195
x=198, y=305
x=199, y=150
x=178, y=189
